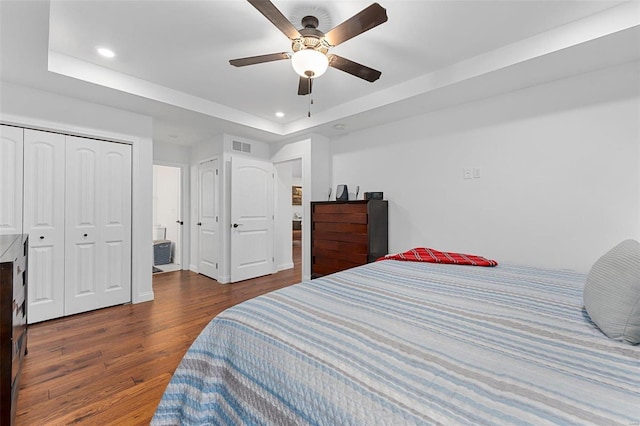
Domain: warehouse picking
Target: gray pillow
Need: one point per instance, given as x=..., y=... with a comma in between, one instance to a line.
x=612, y=292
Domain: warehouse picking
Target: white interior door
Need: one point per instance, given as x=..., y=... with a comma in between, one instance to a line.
x=44, y=207
x=98, y=224
x=252, y=220
x=11, y=149
x=208, y=218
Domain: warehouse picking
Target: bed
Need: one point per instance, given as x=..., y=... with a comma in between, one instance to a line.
x=394, y=343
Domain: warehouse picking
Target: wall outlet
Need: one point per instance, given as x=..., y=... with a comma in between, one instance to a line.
x=467, y=173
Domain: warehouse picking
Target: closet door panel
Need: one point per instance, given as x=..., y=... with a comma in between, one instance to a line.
x=44, y=198
x=84, y=274
x=83, y=248
x=11, y=151
x=116, y=221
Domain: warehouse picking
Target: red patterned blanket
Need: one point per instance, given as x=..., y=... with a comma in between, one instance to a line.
x=421, y=254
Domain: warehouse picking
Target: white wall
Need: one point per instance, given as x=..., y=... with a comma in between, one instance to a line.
x=169, y=153
x=559, y=172
x=48, y=111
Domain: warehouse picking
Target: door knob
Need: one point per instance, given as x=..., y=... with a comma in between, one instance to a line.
x=180, y=222
x=235, y=225
x=199, y=223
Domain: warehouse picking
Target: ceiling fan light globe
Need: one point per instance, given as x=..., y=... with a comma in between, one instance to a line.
x=309, y=61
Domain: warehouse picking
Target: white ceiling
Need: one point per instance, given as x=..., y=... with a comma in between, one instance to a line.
x=172, y=58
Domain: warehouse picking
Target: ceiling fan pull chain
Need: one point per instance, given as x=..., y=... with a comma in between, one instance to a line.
x=310, y=100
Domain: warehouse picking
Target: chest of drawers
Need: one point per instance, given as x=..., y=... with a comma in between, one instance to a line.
x=13, y=321
x=347, y=234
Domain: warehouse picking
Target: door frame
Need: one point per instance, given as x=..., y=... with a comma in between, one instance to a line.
x=184, y=207
x=285, y=234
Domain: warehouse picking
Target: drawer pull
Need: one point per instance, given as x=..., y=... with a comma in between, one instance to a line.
x=42, y=237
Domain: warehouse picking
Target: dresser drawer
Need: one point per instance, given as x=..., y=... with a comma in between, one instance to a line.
x=325, y=265
x=19, y=267
x=340, y=237
x=18, y=347
x=360, y=256
x=347, y=228
x=19, y=314
x=340, y=217
x=339, y=208
x=340, y=246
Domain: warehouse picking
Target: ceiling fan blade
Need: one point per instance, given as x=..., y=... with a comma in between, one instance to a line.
x=276, y=17
x=259, y=59
x=364, y=20
x=305, y=85
x=353, y=68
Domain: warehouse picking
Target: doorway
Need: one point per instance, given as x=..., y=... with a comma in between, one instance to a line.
x=290, y=202
x=167, y=218
x=297, y=209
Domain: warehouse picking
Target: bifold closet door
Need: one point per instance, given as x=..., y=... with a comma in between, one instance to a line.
x=44, y=208
x=98, y=224
x=10, y=180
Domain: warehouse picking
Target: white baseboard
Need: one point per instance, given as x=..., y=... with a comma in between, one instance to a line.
x=144, y=297
x=285, y=266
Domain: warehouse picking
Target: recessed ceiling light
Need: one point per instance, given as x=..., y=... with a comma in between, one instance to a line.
x=339, y=126
x=107, y=53
x=279, y=114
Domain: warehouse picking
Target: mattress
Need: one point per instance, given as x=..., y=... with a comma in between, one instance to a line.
x=394, y=343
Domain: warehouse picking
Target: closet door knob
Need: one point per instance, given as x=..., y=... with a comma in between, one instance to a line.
x=199, y=223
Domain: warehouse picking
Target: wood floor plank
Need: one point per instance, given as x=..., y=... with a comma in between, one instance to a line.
x=111, y=366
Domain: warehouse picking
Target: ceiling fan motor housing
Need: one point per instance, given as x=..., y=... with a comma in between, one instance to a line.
x=312, y=37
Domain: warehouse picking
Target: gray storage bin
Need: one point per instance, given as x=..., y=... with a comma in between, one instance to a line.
x=161, y=252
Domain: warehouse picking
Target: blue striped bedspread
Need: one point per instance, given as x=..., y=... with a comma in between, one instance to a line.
x=395, y=343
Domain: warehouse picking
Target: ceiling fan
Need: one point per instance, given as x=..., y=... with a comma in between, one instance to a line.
x=310, y=57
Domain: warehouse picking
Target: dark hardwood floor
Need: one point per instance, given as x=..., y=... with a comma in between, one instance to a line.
x=111, y=366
